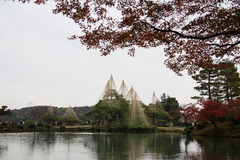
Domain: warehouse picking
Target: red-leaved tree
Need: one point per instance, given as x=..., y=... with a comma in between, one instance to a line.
x=211, y=111
x=205, y=111
x=234, y=110
x=189, y=113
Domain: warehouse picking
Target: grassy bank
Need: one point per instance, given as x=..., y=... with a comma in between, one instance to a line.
x=85, y=128
x=226, y=129
x=170, y=129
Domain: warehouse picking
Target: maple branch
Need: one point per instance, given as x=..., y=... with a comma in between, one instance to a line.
x=193, y=37
x=224, y=45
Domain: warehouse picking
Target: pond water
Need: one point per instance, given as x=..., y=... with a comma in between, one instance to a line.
x=103, y=146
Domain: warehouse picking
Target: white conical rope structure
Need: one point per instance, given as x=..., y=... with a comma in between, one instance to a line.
x=70, y=113
x=136, y=113
x=154, y=98
x=50, y=111
x=123, y=89
x=110, y=89
x=112, y=83
x=130, y=95
x=156, y=103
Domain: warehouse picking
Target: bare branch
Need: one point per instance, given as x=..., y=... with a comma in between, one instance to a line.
x=193, y=37
x=224, y=45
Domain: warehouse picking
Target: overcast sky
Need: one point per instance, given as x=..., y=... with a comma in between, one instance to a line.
x=40, y=66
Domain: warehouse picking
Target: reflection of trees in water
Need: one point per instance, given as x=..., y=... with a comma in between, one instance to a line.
x=124, y=146
x=3, y=149
x=135, y=146
x=165, y=146
x=118, y=146
x=190, y=149
x=39, y=141
x=216, y=148
x=210, y=148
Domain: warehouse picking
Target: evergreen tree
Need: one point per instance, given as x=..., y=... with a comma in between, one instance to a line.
x=171, y=105
x=208, y=86
x=4, y=111
x=218, y=84
x=109, y=111
x=230, y=80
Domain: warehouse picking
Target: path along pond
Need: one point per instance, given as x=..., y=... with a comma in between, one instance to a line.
x=115, y=146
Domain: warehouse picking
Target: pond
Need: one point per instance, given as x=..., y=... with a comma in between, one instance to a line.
x=104, y=146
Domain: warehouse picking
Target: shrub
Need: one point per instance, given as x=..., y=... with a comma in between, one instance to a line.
x=30, y=124
x=62, y=128
x=70, y=120
x=188, y=130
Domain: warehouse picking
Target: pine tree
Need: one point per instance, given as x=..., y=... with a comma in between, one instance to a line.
x=230, y=80
x=207, y=80
x=218, y=84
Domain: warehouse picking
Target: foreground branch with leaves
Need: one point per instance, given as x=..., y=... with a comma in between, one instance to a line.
x=193, y=33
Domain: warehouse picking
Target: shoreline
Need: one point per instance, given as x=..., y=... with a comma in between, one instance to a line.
x=47, y=128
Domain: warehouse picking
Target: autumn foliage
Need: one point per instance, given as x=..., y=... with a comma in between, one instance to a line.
x=194, y=33
x=206, y=111
x=211, y=111
x=234, y=110
x=189, y=113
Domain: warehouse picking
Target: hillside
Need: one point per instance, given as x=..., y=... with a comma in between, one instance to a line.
x=36, y=112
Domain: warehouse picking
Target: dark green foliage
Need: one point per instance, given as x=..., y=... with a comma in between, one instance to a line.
x=157, y=116
x=70, y=120
x=106, y=112
x=188, y=130
x=31, y=124
x=201, y=125
x=48, y=126
x=218, y=84
x=207, y=78
x=110, y=112
x=37, y=113
x=62, y=128
x=49, y=119
x=230, y=80
x=4, y=111
x=171, y=105
x=125, y=127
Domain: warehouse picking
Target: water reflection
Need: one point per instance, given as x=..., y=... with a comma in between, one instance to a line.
x=103, y=146
x=219, y=148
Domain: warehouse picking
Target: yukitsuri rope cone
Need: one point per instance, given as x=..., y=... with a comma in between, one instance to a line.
x=136, y=113
x=70, y=113
x=123, y=90
x=156, y=104
x=50, y=111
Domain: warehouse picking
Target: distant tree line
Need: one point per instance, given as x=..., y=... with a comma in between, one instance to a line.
x=39, y=114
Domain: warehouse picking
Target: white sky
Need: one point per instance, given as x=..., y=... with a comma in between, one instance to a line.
x=38, y=64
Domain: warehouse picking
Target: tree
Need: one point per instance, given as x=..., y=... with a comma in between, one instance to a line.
x=36, y=113
x=157, y=116
x=4, y=111
x=70, y=120
x=208, y=81
x=218, y=83
x=230, y=80
x=171, y=105
x=49, y=119
x=105, y=113
x=194, y=33
x=211, y=111
x=189, y=113
x=234, y=111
